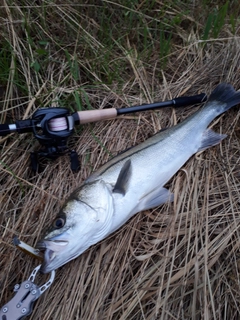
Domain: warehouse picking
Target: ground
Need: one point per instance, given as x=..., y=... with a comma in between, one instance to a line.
x=178, y=261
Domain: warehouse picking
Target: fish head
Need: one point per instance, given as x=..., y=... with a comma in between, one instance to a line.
x=84, y=220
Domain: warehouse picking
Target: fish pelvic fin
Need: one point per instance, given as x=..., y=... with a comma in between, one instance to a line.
x=123, y=178
x=224, y=96
x=155, y=198
x=210, y=138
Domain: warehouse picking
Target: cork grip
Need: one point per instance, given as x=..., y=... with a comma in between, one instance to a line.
x=96, y=115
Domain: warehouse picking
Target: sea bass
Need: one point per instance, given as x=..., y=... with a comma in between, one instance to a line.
x=131, y=182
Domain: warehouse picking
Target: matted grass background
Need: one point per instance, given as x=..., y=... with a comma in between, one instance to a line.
x=178, y=261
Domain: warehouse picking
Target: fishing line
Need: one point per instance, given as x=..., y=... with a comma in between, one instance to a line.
x=58, y=124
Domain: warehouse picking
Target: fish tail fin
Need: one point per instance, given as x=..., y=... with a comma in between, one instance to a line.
x=225, y=97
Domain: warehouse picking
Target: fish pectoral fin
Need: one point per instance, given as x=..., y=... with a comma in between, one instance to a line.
x=155, y=198
x=123, y=178
x=210, y=138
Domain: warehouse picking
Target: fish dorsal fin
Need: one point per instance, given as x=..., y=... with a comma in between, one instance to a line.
x=123, y=178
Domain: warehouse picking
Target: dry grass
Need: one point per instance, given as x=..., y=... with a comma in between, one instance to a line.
x=178, y=261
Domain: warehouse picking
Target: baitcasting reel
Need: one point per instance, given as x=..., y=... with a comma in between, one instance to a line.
x=52, y=128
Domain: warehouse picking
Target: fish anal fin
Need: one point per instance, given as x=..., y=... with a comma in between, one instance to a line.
x=210, y=138
x=123, y=178
x=155, y=198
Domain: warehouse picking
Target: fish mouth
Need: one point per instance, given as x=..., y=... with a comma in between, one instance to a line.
x=51, y=250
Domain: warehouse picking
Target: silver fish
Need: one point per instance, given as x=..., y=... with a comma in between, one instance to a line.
x=131, y=182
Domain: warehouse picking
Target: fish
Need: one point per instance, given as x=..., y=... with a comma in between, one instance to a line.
x=131, y=182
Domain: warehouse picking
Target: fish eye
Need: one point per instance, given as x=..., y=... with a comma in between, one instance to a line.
x=59, y=223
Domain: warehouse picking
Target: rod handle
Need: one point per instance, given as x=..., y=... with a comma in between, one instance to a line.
x=4, y=129
x=21, y=126
x=95, y=115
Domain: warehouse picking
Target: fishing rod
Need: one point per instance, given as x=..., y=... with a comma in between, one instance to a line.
x=52, y=126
